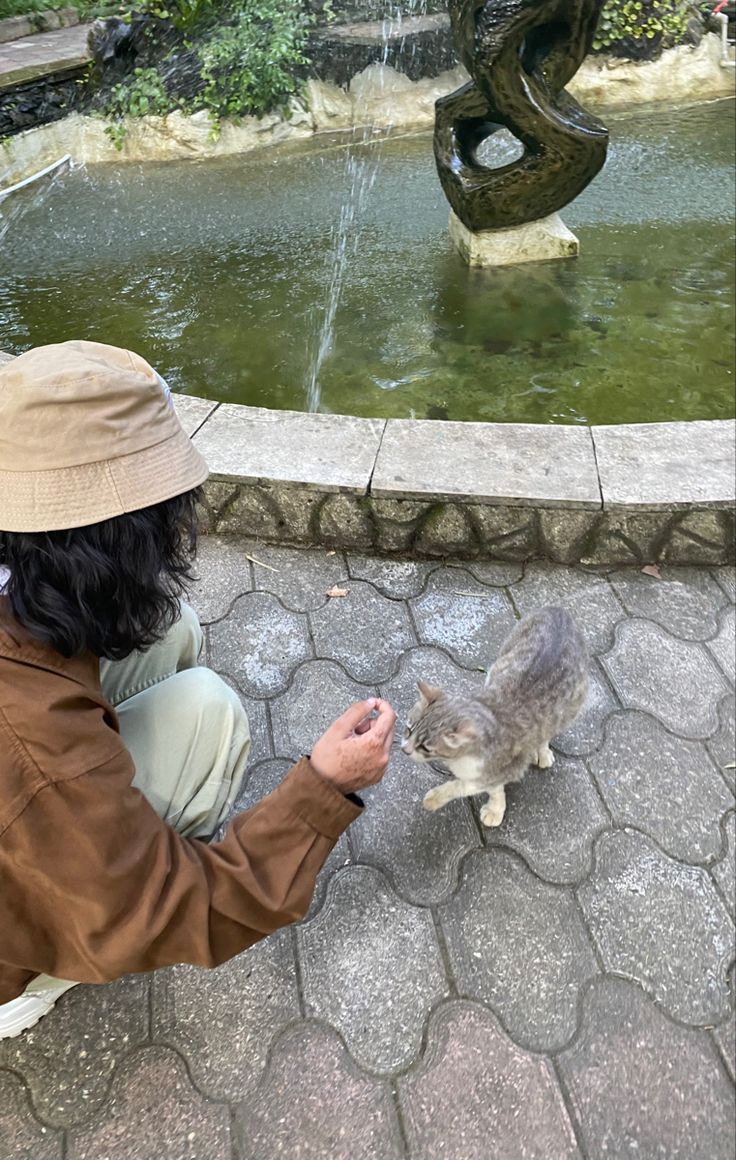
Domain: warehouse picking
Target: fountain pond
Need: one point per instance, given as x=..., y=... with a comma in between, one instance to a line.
x=223, y=275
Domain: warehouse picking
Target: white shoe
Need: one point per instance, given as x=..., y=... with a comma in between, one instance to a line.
x=24, y=1012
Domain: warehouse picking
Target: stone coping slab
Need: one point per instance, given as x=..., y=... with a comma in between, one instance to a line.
x=35, y=23
x=627, y=494
x=503, y=491
x=257, y=445
x=370, y=31
x=651, y=466
x=509, y=463
x=52, y=52
x=191, y=411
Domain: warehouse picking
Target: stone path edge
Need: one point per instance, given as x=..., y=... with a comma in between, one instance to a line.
x=639, y=493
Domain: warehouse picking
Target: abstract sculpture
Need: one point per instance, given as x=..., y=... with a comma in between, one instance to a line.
x=520, y=55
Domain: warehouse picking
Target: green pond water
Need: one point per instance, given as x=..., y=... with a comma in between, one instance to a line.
x=219, y=273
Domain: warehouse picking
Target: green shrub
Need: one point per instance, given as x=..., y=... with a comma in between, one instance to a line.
x=142, y=95
x=185, y=14
x=87, y=8
x=636, y=27
x=252, y=65
x=27, y=7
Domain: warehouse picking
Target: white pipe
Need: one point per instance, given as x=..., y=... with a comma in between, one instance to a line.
x=726, y=61
x=65, y=160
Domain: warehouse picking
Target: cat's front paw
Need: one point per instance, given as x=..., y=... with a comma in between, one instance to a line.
x=544, y=758
x=435, y=799
x=492, y=815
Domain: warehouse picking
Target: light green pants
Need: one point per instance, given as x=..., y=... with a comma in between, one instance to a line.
x=186, y=730
x=184, y=727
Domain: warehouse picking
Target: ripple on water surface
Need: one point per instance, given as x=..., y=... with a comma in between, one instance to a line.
x=220, y=272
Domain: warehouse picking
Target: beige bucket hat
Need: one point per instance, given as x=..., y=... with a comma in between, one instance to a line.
x=87, y=433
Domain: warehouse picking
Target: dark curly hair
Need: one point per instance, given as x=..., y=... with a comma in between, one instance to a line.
x=112, y=587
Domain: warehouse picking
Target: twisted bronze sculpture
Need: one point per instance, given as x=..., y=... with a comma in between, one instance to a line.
x=520, y=55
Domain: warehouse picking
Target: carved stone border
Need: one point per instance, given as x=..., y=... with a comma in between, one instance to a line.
x=634, y=493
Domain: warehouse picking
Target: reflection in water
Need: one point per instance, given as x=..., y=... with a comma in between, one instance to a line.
x=212, y=270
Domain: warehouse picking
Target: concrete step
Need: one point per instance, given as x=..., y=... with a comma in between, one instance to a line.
x=43, y=54
x=418, y=46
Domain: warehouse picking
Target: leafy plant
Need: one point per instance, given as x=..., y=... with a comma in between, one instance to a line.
x=87, y=8
x=184, y=14
x=142, y=96
x=628, y=22
x=252, y=65
x=26, y=7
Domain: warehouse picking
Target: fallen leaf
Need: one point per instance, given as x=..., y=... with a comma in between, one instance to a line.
x=652, y=570
x=335, y=592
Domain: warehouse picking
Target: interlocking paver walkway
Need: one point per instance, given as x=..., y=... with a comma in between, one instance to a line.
x=560, y=987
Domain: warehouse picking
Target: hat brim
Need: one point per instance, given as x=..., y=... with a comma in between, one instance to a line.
x=75, y=497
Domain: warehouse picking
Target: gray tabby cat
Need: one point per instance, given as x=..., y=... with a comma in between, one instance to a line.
x=535, y=689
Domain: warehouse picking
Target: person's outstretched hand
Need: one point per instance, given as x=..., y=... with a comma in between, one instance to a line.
x=354, y=751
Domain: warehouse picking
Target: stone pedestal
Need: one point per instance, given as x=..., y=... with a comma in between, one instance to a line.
x=540, y=241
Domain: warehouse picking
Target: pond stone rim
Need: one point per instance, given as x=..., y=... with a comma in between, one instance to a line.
x=624, y=493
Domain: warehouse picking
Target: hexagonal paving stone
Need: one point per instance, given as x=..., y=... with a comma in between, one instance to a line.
x=419, y=851
x=587, y=596
x=643, y=1087
x=495, y=574
x=726, y=577
x=223, y=1020
x=673, y=680
x=685, y=601
x=723, y=646
x=663, y=785
x=364, y=631
x=586, y=732
x=154, y=1111
x=722, y=745
x=314, y=1104
x=223, y=573
x=262, y=780
x=67, y=1059
x=372, y=967
x=299, y=577
x=21, y=1135
x=396, y=578
x=427, y=664
x=520, y=946
x=476, y=1095
x=552, y=819
x=724, y=870
x=461, y=616
x=725, y=1037
x=260, y=728
x=260, y=644
x=661, y=923
x=319, y=693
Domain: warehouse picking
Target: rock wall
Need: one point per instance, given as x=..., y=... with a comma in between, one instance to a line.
x=378, y=96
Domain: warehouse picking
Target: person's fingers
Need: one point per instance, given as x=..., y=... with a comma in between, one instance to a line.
x=352, y=717
x=363, y=727
x=383, y=724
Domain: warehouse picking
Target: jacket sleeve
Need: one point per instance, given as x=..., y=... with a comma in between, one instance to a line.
x=104, y=887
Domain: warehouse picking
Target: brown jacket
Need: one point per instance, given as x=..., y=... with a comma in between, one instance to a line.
x=93, y=884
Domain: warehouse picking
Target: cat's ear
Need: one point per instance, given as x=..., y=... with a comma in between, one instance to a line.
x=428, y=693
x=465, y=734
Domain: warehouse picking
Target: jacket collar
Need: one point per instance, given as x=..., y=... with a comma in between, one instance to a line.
x=19, y=645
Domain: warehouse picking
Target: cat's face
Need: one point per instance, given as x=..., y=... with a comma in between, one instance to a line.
x=436, y=729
